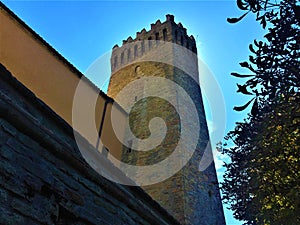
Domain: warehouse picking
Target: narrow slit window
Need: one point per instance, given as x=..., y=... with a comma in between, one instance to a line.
x=156, y=36
x=115, y=61
x=122, y=57
x=128, y=54
x=165, y=34
x=143, y=47
x=135, y=51
x=149, y=42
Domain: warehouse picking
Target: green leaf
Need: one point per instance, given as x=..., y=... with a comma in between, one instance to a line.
x=241, y=108
x=244, y=64
x=251, y=59
x=251, y=68
x=241, y=5
x=243, y=89
x=235, y=20
x=263, y=22
x=240, y=75
x=251, y=48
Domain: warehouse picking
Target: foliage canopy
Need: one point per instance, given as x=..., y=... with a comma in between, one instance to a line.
x=262, y=181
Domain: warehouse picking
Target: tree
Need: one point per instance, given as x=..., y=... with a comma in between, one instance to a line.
x=261, y=183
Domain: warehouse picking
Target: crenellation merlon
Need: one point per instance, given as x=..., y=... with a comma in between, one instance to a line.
x=158, y=25
x=168, y=31
x=170, y=17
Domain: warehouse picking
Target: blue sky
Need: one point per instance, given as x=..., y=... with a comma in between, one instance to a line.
x=82, y=31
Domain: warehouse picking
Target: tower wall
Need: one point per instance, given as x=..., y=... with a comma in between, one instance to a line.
x=167, y=51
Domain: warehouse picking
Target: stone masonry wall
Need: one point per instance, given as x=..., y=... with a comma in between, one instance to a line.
x=190, y=195
x=168, y=193
x=44, y=179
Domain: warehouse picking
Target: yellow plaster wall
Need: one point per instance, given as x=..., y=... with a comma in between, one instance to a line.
x=50, y=77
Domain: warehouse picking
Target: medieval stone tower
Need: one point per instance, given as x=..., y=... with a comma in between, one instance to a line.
x=166, y=51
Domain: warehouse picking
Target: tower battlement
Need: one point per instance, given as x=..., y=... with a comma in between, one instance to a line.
x=145, y=41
